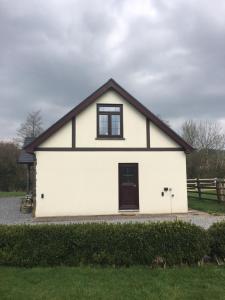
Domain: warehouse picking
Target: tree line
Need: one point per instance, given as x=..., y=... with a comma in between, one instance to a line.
x=207, y=137
x=12, y=174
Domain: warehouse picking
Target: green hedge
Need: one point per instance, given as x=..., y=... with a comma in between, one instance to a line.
x=217, y=240
x=168, y=243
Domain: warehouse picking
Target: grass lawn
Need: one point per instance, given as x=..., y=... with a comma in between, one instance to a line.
x=108, y=283
x=12, y=194
x=210, y=206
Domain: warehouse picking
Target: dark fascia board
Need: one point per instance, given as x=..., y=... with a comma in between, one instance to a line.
x=109, y=85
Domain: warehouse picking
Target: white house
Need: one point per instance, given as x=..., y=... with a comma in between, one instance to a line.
x=109, y=155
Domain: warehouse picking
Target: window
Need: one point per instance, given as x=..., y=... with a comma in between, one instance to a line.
x=109, y=121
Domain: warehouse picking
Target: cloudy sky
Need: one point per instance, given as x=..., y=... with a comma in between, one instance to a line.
x=170, y=54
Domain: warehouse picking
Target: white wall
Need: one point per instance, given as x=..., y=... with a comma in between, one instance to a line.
x=160, y=139
x=61, y=138
x=86, y=183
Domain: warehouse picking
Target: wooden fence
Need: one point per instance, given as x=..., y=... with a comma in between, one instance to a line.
x=207, y=189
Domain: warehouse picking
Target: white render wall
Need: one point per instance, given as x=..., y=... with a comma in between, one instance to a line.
x=86, y=183
x=61, y=138
x=159, y=139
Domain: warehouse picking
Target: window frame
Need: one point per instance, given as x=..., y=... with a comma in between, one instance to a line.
x=109, y=114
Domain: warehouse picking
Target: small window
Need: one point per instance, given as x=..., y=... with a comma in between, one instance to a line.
x=109, y=120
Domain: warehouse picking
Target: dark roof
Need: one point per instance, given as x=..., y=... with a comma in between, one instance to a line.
x=109, y=85
x=25, y=157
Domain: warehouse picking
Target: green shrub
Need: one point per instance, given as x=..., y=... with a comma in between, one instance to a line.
x=105, y=244
x=217, y=239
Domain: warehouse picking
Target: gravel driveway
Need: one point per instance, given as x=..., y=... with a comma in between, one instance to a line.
x=10, y=214
x=10, y=211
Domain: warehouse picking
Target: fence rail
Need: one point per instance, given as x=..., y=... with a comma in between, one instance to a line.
x=203, y=187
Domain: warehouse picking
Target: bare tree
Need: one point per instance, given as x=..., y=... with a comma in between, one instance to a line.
x=208, y=138
x=189, y=132
x=206, y=135
x=32, y=126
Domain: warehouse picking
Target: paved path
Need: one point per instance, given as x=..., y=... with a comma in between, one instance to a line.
x=201, y=219
x=10, y=214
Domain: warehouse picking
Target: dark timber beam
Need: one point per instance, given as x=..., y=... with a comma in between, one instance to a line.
x=74, y=132
x=147, y=133
x=107, y=149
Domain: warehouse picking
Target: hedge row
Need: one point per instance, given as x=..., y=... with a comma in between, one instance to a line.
x=169, y=243
x=217, y=240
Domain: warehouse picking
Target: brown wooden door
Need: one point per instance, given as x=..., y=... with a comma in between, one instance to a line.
x=128, y=186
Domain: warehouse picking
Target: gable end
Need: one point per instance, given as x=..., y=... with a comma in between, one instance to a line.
x=109, y=85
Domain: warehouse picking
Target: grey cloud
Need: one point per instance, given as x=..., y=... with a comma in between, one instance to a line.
x=171, y=56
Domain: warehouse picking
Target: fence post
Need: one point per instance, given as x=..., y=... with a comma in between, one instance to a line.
x=217, y=189
x=199, y=188
x=220, y=189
